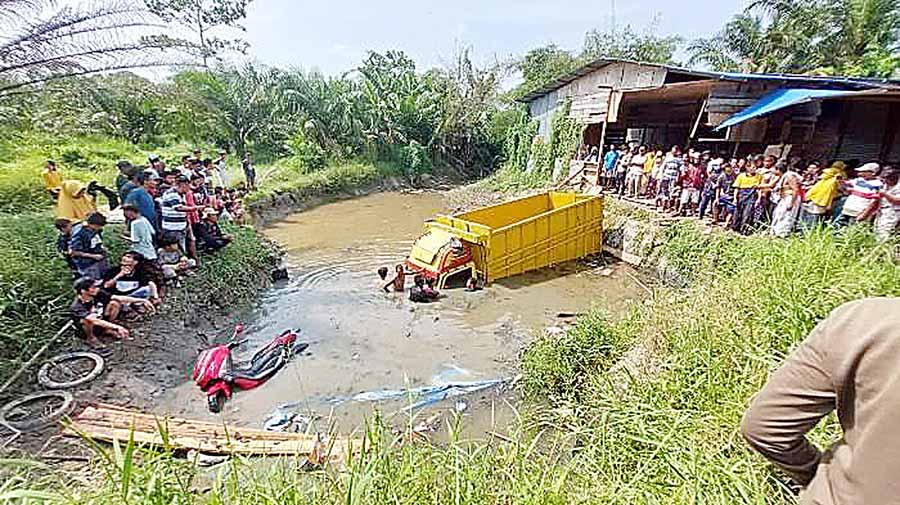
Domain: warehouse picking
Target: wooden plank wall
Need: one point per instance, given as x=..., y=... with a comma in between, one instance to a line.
x=729, y=98
x=591, y=108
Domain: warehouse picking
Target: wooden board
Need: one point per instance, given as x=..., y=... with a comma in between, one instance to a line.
x=109, y=422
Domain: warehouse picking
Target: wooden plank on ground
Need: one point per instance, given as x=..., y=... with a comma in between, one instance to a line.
x=109, y=422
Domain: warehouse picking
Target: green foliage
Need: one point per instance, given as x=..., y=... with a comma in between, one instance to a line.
x=414, y=158
x=859, y=38
x=203, y=17
x=514, y=130
x=565, y=136
x=541, y=65
x=560, y=366
x=288, y=178
x=627, y=44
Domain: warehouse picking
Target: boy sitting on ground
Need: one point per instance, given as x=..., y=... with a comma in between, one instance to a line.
x=131, y=279
x=172, y=260
x=95, y=311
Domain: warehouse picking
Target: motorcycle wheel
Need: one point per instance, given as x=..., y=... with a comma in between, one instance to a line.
x=37, y=411
x=215, y=402
x=70, y=370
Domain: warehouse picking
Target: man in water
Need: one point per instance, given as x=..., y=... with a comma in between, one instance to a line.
x=848, y=364
x=398, y=283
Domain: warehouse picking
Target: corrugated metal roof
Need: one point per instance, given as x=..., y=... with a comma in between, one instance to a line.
x=840, y=81
x=597, y=65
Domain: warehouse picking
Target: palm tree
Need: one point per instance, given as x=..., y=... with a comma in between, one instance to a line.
x=739, y=46
x=849, y=37
x=40, y=41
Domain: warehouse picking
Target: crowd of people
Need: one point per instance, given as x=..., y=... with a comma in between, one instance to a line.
x=171, y=217
x=753, y=193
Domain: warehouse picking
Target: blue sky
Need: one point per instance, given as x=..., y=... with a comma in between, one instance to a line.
x=334, y=35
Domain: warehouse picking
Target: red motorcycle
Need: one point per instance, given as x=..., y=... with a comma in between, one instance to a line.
x=216, y=376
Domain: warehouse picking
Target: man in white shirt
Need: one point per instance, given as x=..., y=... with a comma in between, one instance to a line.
x=864, y=192
x=140, y=231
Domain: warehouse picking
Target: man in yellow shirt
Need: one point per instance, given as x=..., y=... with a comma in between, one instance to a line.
x=52, y=179
x=745, y=195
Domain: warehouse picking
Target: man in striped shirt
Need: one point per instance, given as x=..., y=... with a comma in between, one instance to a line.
x=863, y=192
x=174, y=212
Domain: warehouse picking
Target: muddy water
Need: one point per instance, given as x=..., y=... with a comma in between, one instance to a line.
x=362, y=339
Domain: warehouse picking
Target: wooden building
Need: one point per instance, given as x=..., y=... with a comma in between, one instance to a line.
x=814, y=117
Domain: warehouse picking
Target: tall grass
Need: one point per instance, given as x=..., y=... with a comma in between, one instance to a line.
x=673, y=437
x=294, y=181
x=24, y=154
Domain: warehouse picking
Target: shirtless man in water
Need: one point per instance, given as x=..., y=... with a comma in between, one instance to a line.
x=398, y=283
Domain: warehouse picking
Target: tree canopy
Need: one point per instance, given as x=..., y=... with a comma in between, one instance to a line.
x=830, y=37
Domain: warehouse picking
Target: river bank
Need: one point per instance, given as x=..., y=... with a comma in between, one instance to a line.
x=592, y=430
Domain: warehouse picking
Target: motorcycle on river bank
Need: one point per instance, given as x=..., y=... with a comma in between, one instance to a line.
x=215, y=374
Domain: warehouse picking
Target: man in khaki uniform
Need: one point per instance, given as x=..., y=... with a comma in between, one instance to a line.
x=851, y=363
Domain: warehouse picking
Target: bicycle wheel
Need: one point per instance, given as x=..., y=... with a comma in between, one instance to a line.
x=70, y=369
x=37, y=411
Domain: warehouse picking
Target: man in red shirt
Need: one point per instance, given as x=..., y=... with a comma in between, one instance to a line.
x=691, y=183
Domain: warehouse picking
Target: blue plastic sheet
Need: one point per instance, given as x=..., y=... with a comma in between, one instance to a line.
x=444, y=385
x=779, y=99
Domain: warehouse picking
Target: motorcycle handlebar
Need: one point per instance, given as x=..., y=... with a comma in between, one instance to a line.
x=236, y=343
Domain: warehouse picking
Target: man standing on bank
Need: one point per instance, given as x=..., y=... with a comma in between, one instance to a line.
x=849, y=363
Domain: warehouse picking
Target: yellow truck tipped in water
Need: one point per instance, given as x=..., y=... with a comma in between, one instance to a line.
x=509, y=238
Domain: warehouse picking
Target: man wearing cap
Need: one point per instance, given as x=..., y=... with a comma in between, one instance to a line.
x=209, y=235
x=95, y=311
x=863, y=192
x=141, y=198
x=221, y=168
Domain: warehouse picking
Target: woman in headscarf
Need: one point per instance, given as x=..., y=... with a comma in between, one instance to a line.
x=74, y=204
x=821, y=195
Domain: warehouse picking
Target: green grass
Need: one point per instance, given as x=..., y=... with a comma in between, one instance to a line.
x=85, y=158
x=599, y=432
x=512, y=180
x=286, y=177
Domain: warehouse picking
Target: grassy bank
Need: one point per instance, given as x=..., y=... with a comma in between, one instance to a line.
x=287, y=179
x=84, y=158
x=662, y=431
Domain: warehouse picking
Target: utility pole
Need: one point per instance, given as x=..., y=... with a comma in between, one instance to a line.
x=612, y=16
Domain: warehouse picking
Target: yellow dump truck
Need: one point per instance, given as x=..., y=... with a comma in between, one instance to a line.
x=509, y=238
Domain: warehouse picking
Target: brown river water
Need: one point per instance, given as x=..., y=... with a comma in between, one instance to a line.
x=364, y=340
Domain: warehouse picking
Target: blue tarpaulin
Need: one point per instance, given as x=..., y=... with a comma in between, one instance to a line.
x=780, y=99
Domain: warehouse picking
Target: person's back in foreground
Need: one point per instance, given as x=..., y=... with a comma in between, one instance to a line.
x=848, y=363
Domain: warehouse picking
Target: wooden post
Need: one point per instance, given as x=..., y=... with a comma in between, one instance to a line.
x=697, y=121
